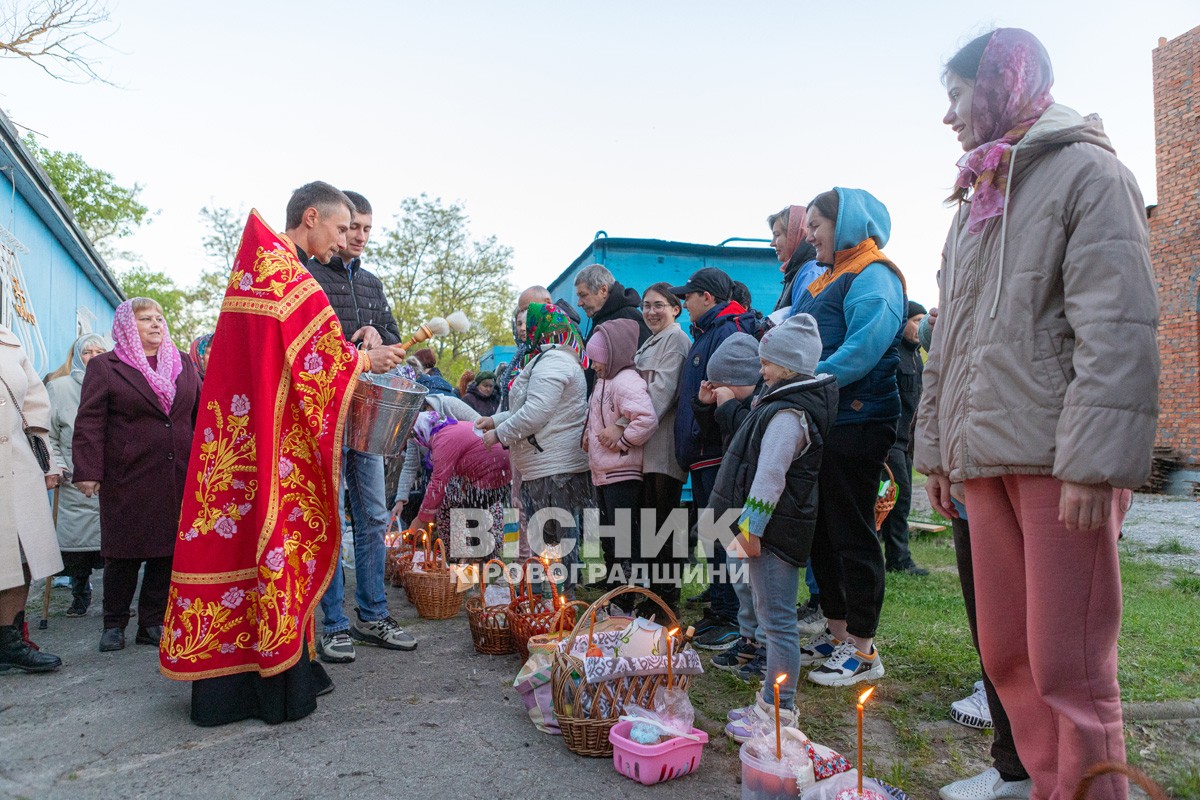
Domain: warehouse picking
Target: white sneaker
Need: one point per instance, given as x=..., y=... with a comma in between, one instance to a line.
x=812, y=623
x=335, y=648
x=818, y=649
x=847, y=666
x=987, y=785
x=973, y=711
x=757, y=719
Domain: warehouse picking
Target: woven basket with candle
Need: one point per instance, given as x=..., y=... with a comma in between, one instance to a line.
x=885, y=502
x=400, y=546
x=530, y=615
x=594, y=684
x=490, y=632
x=431, y=585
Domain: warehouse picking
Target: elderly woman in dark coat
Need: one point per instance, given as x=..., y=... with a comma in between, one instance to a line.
x=133, y=436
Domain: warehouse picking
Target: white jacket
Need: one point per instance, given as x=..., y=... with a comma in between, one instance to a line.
x=543, y=427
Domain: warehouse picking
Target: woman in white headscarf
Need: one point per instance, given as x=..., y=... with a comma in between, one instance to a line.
x=78, y=516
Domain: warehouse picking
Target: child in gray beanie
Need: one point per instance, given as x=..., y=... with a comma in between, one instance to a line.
x=769, y=473
x=724, y=401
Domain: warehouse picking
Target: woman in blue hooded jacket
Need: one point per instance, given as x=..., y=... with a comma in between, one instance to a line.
x=860, y=308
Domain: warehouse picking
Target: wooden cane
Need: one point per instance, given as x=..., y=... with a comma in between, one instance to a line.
x=44, y=622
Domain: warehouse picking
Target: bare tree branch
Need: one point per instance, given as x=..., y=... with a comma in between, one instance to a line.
x=55, y=35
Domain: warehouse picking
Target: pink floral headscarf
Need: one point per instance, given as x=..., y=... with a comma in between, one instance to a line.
x=1012, y=91
x=129, y=349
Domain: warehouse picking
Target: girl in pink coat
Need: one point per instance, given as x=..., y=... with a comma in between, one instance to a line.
x=620, y=420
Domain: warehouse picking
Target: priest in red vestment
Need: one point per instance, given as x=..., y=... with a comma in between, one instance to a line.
x=259, y=533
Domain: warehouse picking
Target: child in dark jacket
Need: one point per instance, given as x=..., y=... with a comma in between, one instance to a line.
x=724, y=402
x=770, y=472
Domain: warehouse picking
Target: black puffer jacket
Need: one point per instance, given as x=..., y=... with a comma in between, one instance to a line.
x=622, y=303
x=357, y=298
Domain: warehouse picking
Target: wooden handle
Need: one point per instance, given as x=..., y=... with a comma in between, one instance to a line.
x=421, y=335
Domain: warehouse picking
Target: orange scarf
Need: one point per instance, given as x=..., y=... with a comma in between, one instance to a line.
x=855, y=260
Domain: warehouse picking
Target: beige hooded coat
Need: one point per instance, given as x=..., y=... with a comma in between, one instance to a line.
x=1044, y=360
x=26, y=526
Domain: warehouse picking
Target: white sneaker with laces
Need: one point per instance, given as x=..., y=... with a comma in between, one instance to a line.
x=812, y=623
x=335, y=648
x=973, y=711
x=385, y=633
x=987, y=785
x=848, y=666
x=818, y=649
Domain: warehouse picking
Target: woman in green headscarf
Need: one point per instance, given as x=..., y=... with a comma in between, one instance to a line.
x=543, y=428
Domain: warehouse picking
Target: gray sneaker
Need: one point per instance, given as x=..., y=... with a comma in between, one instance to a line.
x=335, y=648
x=385, y=633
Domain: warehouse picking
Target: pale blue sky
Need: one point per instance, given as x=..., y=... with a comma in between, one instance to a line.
x=550, y=120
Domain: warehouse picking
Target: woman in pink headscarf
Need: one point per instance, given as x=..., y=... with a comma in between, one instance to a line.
x=133, y=436
x=1040, y=404
x=797, y=258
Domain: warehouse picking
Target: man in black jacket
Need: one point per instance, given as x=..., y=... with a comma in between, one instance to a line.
x=358, y=300
x=894, y=531
x=357, y=295
x=603, y=298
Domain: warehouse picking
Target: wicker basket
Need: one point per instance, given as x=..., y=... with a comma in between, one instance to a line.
x=406, y=568
x=1152, y=789
x=560, y=626
x=586, y=732
x=530, y=616
x=400, y=548
x=887, y=501
x=432, y=587
x=490, y=632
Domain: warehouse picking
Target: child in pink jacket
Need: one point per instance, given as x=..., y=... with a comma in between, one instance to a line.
x=615, y=448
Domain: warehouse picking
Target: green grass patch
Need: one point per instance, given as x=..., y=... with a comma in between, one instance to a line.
x=1170, y=546
x=926, y=648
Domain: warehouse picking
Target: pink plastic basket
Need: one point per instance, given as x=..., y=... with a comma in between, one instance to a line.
x=654, y=763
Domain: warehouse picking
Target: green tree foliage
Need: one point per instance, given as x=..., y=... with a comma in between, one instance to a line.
x=105, y=210
x=430, y=266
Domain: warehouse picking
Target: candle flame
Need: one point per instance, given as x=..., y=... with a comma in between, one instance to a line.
x=673, y=631
x=782, y=677
x=862, y=698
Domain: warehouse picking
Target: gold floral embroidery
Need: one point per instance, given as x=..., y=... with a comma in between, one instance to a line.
x=227, y=451
x=276, y=268
x=193, y=634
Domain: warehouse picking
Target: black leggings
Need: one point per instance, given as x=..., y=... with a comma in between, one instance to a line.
x=846, y=557
x=662, y=493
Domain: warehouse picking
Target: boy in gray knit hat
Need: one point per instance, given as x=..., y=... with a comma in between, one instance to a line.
x=769, y=472
x=724, y=401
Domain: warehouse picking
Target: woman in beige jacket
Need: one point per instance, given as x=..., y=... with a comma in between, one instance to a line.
x=1040, y=399
x=28, y=547
x=660, y=361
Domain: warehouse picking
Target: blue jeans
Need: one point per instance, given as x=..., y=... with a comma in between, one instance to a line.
x=362, y=475
x=810, y=581
x=774, y=583
x=724, y=599
x=747, y=620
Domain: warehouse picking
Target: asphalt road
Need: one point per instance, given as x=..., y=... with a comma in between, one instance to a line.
x=441, y=721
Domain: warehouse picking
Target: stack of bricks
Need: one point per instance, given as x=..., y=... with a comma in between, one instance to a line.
x=1175, y=241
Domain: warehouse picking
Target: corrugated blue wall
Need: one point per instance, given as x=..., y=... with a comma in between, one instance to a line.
x=638, y=263
x=56, y=285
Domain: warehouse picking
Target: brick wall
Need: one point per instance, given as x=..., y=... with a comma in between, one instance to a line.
x=1175, y=240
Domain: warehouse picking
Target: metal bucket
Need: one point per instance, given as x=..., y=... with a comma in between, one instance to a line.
x=382, y=412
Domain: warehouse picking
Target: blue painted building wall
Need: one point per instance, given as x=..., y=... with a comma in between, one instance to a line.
x=638, y=263
x=66, y=282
